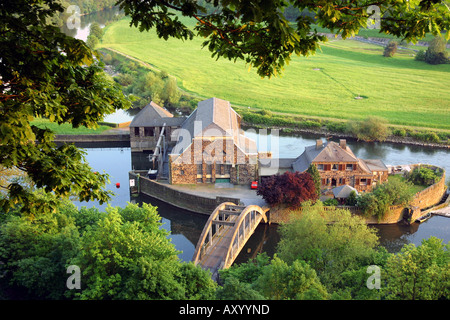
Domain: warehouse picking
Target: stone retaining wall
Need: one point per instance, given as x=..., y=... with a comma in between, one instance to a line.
x=183, y=200
x=423, y=200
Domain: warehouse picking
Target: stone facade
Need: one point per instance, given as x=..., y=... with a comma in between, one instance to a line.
x=199, y=163
x=337, y=166
x=210, y=147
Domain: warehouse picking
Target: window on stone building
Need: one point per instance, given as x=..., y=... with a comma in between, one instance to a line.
x=335, y=167
x=363, y=182
x=136, y=131
x=320, y=167
x=349, y=167
x=148, y=132
x=199, y=169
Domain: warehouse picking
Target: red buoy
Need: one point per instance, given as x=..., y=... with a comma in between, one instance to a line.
x=117, y=185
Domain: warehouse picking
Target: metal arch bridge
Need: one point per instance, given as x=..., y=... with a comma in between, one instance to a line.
x=225, y=234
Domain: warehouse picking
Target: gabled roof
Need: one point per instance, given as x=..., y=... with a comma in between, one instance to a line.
x=375, y=165
x=343, y=191
x=215, y=117
x=153, y=115
x=327, y=152
x=332, y=152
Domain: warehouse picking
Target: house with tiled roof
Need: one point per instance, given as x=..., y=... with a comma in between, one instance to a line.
x=210, y=147
x=338, y=166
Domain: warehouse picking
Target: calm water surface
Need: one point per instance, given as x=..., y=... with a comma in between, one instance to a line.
x=185, y=227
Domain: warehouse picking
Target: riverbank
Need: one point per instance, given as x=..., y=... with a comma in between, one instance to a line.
x=204, y=198
x=330, y=134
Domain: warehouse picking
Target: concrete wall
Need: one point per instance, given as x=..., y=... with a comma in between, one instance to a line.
x=187, y=201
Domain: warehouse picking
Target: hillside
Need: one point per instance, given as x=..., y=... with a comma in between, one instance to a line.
x=400, y=89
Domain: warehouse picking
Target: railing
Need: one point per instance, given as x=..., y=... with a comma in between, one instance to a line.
x=233, y=223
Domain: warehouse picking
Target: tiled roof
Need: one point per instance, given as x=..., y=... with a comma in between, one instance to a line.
x=215, y=117
x=327, y=152
x=343, y=191
x=153, y=115
x=375, y=165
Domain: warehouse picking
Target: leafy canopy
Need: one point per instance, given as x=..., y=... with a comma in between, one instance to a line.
x=44, y=73
x=257, y=31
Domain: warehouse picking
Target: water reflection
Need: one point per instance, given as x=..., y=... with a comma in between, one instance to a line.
x=186, y=227
x=101, y=17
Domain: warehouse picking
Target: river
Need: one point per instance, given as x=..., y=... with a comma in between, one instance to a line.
x=185, y=227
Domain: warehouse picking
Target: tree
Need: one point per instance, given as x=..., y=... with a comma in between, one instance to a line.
x=419, y=273
x=315, y=175
x=170, y=94
x=264, y=278
x=96, y=30
x=437, y=51
x=280, y=281
x=127, y=256
x=259, y=34
x=331, y=242
x=390, y=49
x=34, y=252
x=391, y=193
x=45, y=73
x=290, y=188
x=371, y=129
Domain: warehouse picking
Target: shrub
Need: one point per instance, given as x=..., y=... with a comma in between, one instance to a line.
x=290, y=188
x=371, y=129
x=424, y=176
x=437, y=52
x=390, y=49
x=337, y=126
x=331, y=202
x=399, y=132
x=420, y=56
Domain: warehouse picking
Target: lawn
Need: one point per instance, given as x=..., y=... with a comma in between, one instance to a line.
x=66, y=128
x=400, y=89
x=415, y=187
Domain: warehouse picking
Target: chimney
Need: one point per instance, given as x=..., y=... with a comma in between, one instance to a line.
x=319, y=143
x=343, y=144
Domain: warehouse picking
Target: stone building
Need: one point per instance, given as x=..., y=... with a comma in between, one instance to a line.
x=147, y=125
x=338, y=166
x=210, y=147
x=206, y=147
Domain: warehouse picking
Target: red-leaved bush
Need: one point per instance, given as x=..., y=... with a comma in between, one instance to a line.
x=290, y=188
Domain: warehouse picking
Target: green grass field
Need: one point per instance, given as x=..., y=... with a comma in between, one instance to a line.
x=400, y=89
x=66, y=128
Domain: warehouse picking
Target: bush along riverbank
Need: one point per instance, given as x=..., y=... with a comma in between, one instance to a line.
x=133, y=73
x=369, y=129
